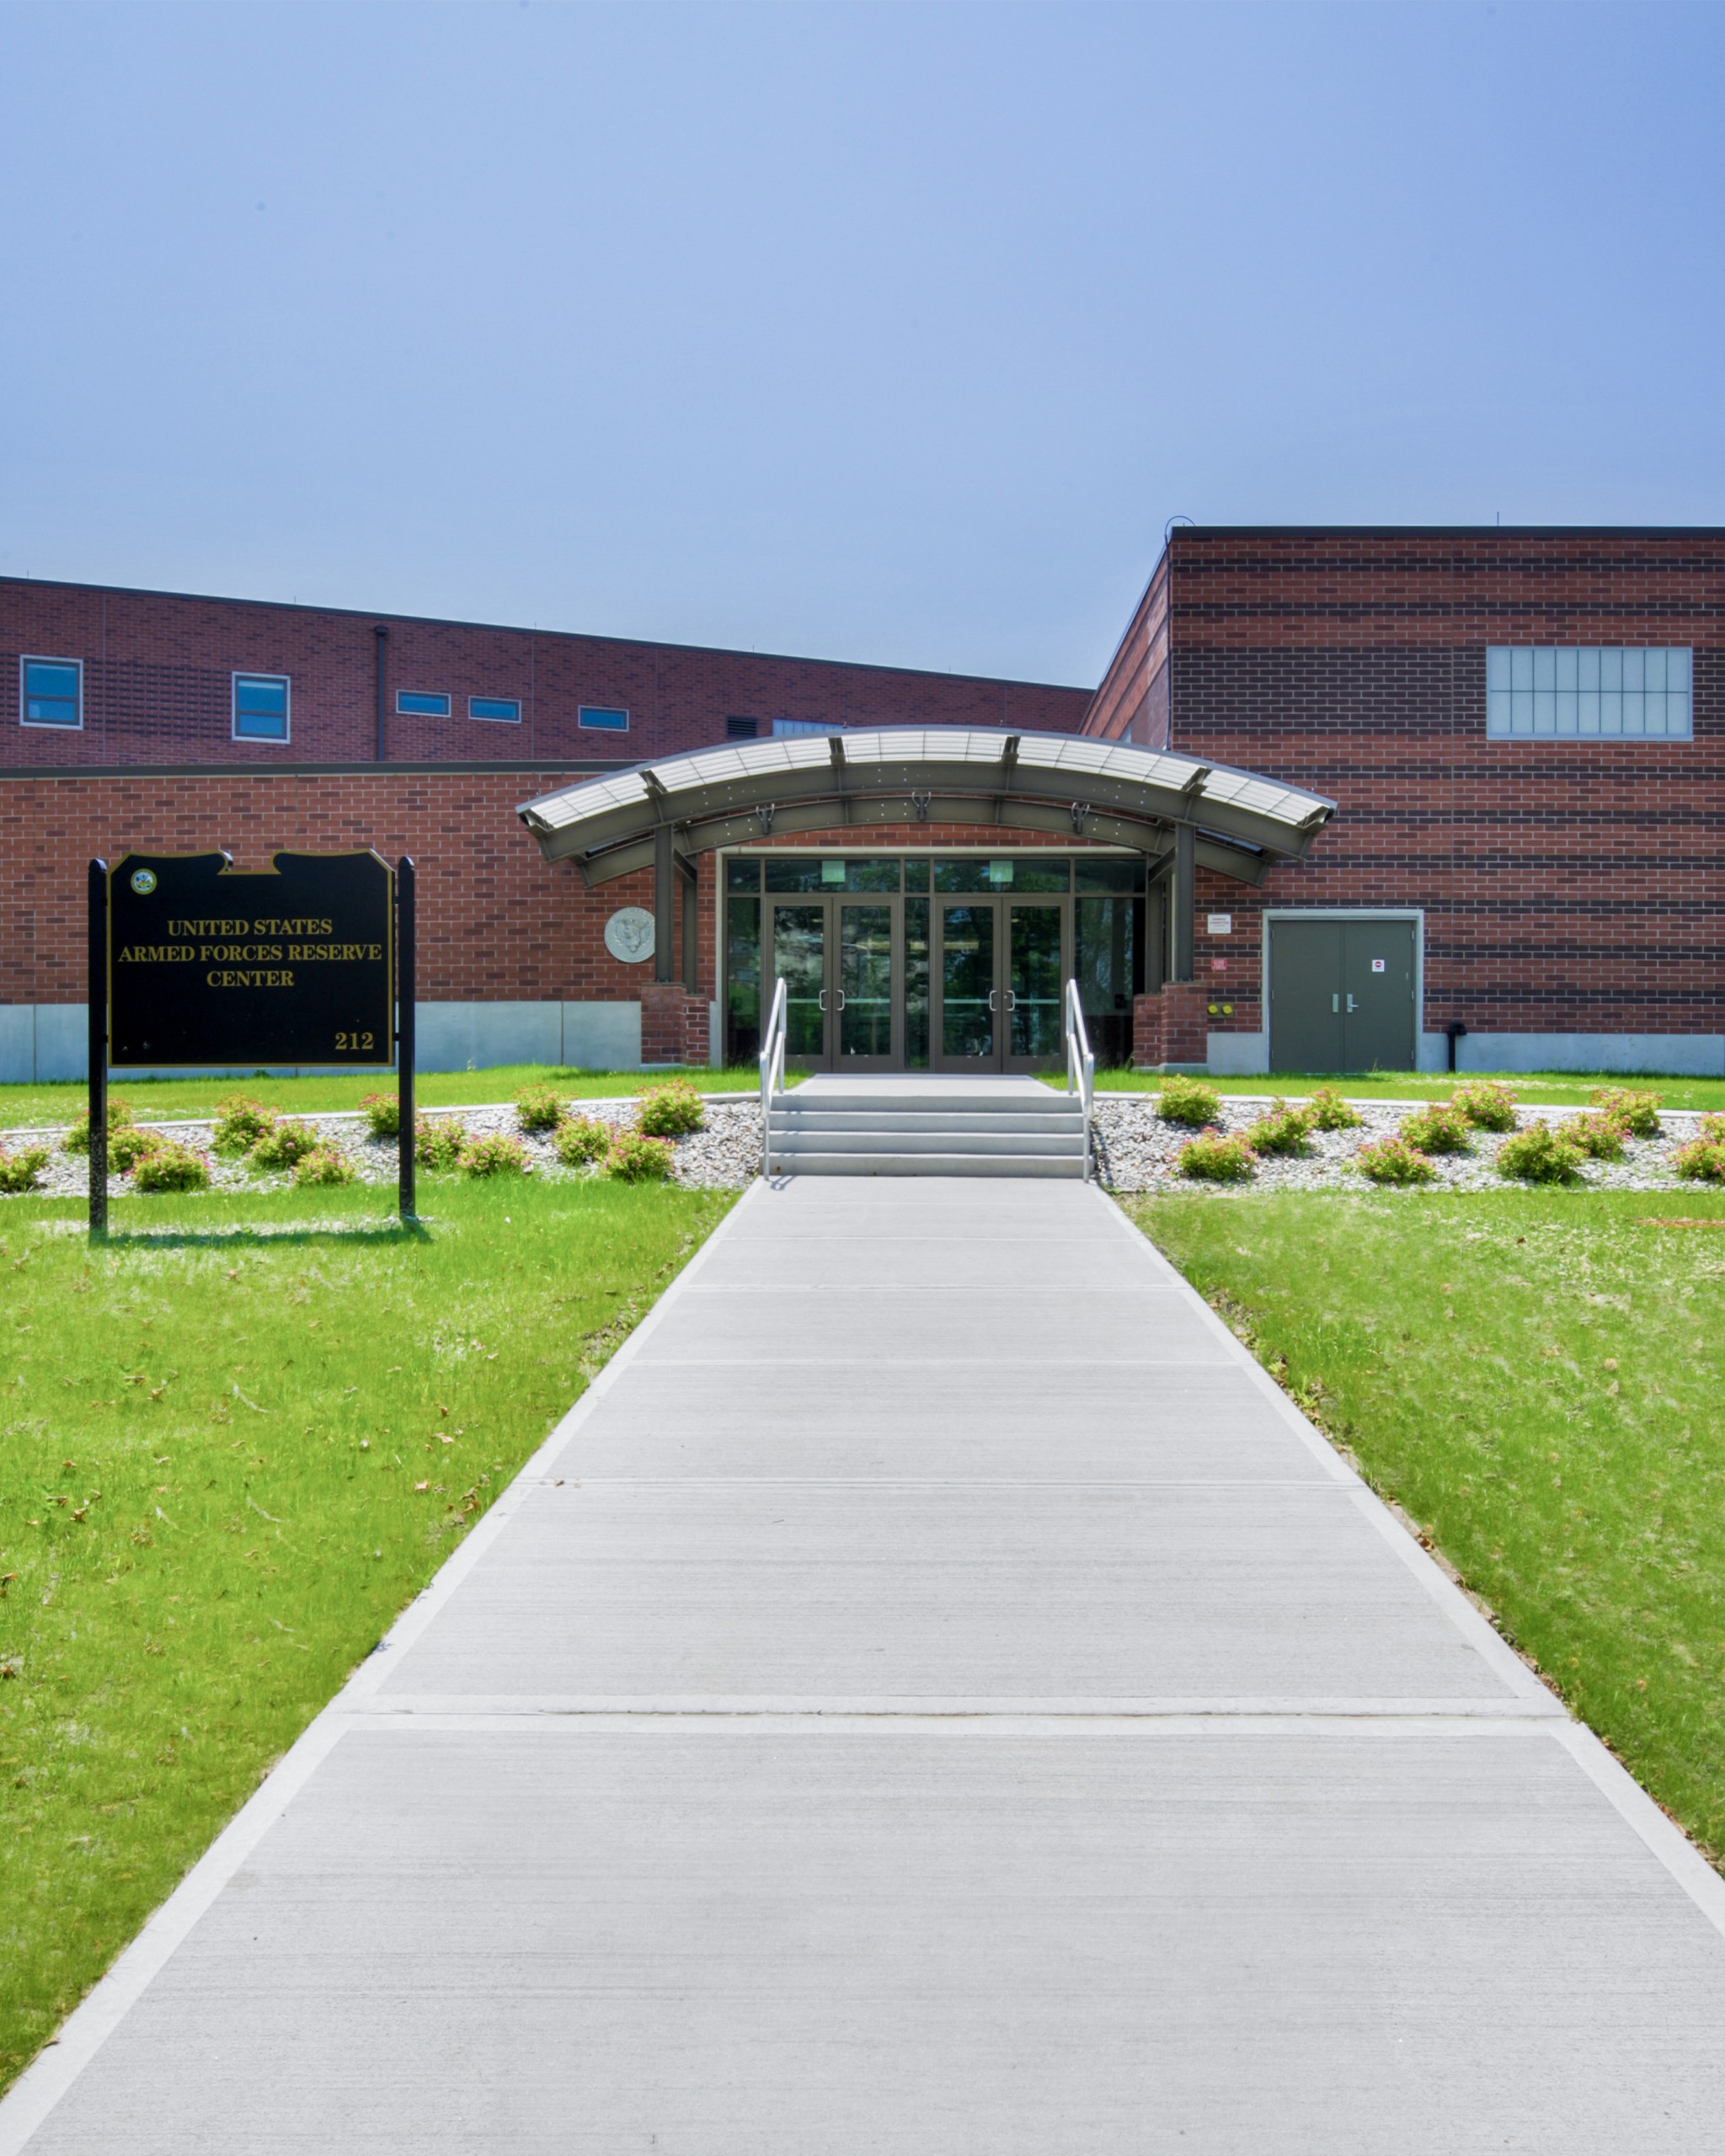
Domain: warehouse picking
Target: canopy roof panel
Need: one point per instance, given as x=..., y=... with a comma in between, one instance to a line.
x=1107, y=791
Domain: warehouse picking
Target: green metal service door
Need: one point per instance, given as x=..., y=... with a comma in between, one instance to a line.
x=1377, y=995
x=1306, y=995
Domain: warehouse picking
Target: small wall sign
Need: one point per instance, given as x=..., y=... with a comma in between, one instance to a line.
x=1220, y=924
x=629, y=935
x=1377, y=965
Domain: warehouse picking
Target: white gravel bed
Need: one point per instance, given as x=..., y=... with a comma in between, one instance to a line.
x=1136, y=1150
x=724, y=1155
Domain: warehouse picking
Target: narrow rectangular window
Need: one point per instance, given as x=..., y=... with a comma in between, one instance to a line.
x=260, y=707
x=51, y=692
x=1614, y=692
x=421, y=703
x=606, y=718
x=506, y=708
x=783, y=727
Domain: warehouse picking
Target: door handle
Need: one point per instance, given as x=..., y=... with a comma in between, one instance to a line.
x=839, y=993
x=820, y=998
x=1012, y=999
x=1351, y=1004
x=1336, y=1004
x=993, y=1004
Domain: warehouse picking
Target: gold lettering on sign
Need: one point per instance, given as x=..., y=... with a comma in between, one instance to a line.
x=271, y=977
x=156, y=955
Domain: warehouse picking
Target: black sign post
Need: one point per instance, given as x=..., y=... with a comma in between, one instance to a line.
x=98, y=1050
x=194, y=963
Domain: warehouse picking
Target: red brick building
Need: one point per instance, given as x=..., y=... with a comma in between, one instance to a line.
x=1519, y=732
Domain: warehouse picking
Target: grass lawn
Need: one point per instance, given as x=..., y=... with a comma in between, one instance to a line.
x=1538, y=1088
x=229, y=1455
x=161, y=1099
x=1539, y=1378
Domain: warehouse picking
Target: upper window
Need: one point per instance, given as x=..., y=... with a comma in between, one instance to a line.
x=611, y=721
x=421, y=703
x=51, y=692
x=508, y=708
x=1615, y=691
x=260, y=704
x=783, y=726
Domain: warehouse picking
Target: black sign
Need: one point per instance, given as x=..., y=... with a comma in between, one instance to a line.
x=290, y=964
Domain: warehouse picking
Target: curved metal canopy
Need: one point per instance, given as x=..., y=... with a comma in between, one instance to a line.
x=1105, y=790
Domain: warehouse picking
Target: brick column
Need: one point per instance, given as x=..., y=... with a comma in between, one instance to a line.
x=675, y=1025
x=1170, y=1029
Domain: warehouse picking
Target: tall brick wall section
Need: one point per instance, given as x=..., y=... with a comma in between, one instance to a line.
x=158, y=669
x=1568, y=886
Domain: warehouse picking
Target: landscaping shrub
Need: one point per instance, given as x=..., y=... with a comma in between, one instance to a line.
x=285, y=1144
x=539, y=1107
x=19, y=1171
x=1702, y=1160
x=636, y=1158
x=325, y=1164
x=581, y=1139
x=498, y=1155
x=1329, y=1111
x=240, y=1122
x=1598, y=1135
x=1440, y=1128
x=128, y=1145
x=438, y=1141
x=1213, y=1158
x=1394, y=1160
x=78, y=1139
x=1283, y=1130
x=1712, y=1129
x=1638, y=1112
x=1485, y=1102
x=672, y=1111
x=172, y=1166
x=383, y=1114
x=1539, y=1154
x=1188, y=1101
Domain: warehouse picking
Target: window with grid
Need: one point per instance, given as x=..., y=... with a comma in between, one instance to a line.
x=1602, y=691
x=260, y=707
x=51, y=692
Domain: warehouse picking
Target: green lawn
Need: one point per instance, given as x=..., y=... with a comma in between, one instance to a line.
x=1539, y=1378
x=228, y=1456
x=162, y=1099
x=1545, y=1088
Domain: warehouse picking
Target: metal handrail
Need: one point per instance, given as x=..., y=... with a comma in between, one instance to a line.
x=1080, y=1063
x=772, y=1069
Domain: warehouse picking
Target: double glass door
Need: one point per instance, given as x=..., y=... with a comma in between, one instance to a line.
x=999, y=976
x=839, y=960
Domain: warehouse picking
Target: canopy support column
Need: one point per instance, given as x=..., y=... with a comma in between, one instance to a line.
x=1184, y=898
x=664, y=903
x=688, y=874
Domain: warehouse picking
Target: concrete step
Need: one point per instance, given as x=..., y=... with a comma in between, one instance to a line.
x=953, y=1099
x=888, y=1119
x=794, y=1145
x=1068, y=1165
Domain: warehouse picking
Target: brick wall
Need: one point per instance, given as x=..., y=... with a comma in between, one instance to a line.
x=157, y=672
x=1568, y=886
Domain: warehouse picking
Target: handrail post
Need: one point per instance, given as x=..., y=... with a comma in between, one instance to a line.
x=772, y=1069
x=1080, y=1063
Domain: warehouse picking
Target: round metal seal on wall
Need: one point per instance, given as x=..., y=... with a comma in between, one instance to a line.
x=629, y=935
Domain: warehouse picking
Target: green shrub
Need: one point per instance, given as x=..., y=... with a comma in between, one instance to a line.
x=240, y=1122
x=634, y=1157
x=1283, y=1130
x=499, y=1155
x=581, y=1139
x=672, y=1111
x=383, y=1114
x=539, y=1107
x=1188, y=1101
x=1702, y=1160
x=78, y=1139
x=128, y=1145
x=1638, y=1112
x=1438, y=1129
x=1487, y=1103
x=1539, y=1154
x=1598, y=1135
x=1712, y=1129
x=285, y=1144
x=19, y=1171
x=1213, y=1158
x=172, y=1166
x=324, y=1164
x=438, y=1140
x=1394, y=1160
x=1329, y=1111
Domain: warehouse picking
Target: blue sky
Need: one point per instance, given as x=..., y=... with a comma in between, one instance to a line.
x=892, y=333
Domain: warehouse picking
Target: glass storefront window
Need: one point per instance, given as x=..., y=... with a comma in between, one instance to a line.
x=742, y=1002
x=916, y=984
x=1107, y=875
x=917, y=873
x=743, y=873
x=793, y=874
x=1021, y=872
x=1108, y=963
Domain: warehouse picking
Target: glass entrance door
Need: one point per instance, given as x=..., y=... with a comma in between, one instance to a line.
x=1036, y=983
x=837, y=959
x=797, y=935
x=866, y=988
x=967, y=1017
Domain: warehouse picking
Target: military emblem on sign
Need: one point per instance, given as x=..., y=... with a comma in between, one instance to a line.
x=143, y=881
x=629, y=934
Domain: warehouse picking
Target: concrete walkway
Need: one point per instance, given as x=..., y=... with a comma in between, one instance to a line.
x=934, y=1697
